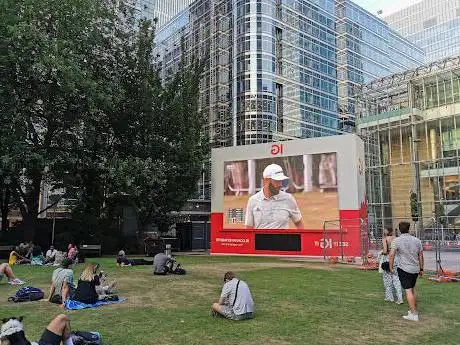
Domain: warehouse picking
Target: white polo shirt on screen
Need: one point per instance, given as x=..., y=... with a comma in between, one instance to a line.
x=273, y=212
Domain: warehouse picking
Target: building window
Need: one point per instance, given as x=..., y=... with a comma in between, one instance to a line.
x=429, y=23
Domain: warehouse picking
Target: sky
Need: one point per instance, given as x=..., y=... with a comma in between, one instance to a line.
x=387, y=6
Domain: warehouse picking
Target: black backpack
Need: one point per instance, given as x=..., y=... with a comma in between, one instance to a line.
x=86, y=338
x=27, y=294
x=179, y=270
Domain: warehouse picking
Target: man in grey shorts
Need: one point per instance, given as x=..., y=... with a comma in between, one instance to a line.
x=235, y=301
x=410, y=254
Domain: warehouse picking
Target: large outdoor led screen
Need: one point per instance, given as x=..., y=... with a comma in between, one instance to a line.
x=306, y=188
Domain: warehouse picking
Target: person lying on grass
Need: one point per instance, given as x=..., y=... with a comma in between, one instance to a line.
x=58, y=330
x=5, y=270
x=122, y=260
x=91, y=286
x=235, y=301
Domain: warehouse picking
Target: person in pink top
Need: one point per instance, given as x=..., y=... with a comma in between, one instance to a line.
x=72, y=251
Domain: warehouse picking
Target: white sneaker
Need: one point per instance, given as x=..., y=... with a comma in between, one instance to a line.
x=16, y=281
x=411, y=317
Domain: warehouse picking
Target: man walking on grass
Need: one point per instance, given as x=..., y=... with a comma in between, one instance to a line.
x=410, y=253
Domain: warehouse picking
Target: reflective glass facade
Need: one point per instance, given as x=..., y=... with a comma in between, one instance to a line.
x=367, y=49
x=434, y=25
x=410, y=124
x=163, y=10
x=281, y=69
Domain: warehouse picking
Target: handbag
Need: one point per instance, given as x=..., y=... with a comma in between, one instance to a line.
x=385, y=266
x=383, y=258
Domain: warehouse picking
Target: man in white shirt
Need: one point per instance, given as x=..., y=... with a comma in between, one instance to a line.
x=50, y=255
x=272, y=208
x=235, y=301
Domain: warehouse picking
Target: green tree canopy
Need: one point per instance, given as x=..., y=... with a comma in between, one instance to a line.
x=82, y=107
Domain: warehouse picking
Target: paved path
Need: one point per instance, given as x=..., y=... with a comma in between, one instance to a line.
x=449, y=260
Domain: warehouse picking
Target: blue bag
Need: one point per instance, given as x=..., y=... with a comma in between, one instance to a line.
x=27, y=294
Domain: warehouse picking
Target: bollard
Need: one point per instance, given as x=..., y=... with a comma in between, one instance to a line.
x=168, y=250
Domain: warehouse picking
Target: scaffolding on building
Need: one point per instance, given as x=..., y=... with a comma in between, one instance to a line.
x=409, y=123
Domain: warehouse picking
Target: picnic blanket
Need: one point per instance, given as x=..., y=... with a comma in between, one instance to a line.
x=75, y=305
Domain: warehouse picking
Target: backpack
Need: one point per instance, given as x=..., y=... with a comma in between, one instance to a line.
x=27, y=294
x=178, y=270
x=86, y=338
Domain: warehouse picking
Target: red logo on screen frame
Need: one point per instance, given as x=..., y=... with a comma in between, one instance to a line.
x=277, y=149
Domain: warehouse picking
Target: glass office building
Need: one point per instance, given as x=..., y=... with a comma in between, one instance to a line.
x=281, y=69
x=163, y=10
x=411, y=127
x=367, y=49
x=434, y=25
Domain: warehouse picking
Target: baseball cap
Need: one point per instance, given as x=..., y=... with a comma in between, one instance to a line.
x=275, y=172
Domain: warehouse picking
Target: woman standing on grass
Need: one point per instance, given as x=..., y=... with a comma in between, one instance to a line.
x=390, y=280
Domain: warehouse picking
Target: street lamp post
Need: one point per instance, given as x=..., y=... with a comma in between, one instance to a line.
x=54, y=224
x=416, y=163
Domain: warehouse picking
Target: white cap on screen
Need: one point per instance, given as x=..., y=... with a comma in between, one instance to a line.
x=275, y=172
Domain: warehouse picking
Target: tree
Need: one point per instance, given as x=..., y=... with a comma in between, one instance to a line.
x=83, y=108
x=51, y=55
x=160, y=147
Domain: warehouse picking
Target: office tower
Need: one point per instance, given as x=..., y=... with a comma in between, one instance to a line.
x=281, y=69
x=411, y=127
x=163, y=10
x=433, y=25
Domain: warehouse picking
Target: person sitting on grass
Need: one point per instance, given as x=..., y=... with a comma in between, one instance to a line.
x=37, y=258
x=72, y=253
x=50, y=255
x=5, y=270
x=16, y=258
x=57, y=332
x=122, y=260
x=235, y=301
x=62, y=287
x=28, y=248
x=90, y=287
x=163, y=264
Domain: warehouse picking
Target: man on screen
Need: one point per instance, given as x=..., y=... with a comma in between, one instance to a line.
x=271, y=208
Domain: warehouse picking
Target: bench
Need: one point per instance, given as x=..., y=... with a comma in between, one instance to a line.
x=91, y=248
x=6, y=250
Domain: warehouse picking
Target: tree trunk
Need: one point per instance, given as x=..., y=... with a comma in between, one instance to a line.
x=29, y=224
x=5, y=207
x=30, y=219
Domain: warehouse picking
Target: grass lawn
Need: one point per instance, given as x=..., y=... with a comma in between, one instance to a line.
x=296, y=303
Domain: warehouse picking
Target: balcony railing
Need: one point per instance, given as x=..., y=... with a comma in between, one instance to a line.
x=387, y=115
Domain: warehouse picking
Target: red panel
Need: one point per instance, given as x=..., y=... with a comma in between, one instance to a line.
x=314, y=243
